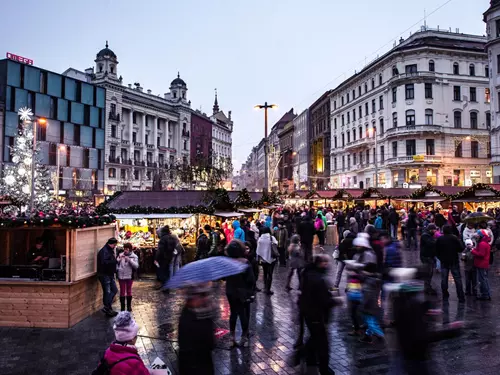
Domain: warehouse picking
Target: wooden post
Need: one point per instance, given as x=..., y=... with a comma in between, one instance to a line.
x=68, y=244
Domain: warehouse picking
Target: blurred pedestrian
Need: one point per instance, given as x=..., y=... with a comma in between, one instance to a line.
x=267, y=257
x=306, y=232
x=296, y=260
x=164, y=255
x=482, y=264
x=427, y=255
x=320, y=227
x=127, y=263
x=353, y=226
x=203, y=242
x=346, y=252
x=469, y=270
x=282, y=237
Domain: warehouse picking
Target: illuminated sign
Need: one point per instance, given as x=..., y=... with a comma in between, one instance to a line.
x=418, y=158
x=20, y=59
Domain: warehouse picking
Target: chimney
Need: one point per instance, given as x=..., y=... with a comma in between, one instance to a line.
x=89, y=71
x=129, y=85
x=166, y=95
x=149, y=92
x=229, y=115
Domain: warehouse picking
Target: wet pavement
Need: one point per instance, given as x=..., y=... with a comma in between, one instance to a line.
x=274, y=330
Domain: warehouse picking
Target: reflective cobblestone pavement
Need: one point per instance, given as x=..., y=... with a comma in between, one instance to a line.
x=76, y=351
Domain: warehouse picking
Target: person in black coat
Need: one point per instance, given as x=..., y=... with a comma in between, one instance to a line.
x=427, y=255
x=196, y=332
x=340, y=224
x=393, y=222
x=306, y=232
x=448, y=248
x=165, y=254
x=239, y=293
x=346, y=252
x=315, y=304
x=106, y=269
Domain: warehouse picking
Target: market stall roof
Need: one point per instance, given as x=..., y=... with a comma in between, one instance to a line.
x=227, y=214
x=426, y=200
x=249, y=210
x=327, y=194
x=396, y=193
x=152, y=216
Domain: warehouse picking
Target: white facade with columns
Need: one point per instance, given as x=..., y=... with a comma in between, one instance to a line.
x=144, y=132
x=419, y=114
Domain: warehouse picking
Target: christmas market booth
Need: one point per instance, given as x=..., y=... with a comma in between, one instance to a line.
x=478, y=195
x=48, y=268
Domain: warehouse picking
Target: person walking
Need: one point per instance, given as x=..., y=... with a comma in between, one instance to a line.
x=393, y=222
x=106, y=269
x=282, y=237
x=340, y=223
x=315, y=303
x=448, y=248
x=268, y=259
x=296, y=260
x=346, y=252
x=469, y=270
x=239, y=291
x=203, y=243
x=164, y=255
x=353, y=226
x=306, y=232
x=196, y=332
x=239, y=234
x=319, y=225
x=411, y=229
x=482, y=264
x=427, y=255
x=127, y=263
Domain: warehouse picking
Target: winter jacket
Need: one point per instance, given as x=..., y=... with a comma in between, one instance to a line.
x=379, y=222
x=448, y=248
x=132, y=366
x=306, y=231
x=315, y=301
x=353, y=227
x=239, y=234
x=427, y=245
x=346, y=249
x=412, y=222
x=319, y=224
x=393, y=217
x=214, y=243
x=482, y=253
x=240, y=286
x=393, y=257
x=106, y=261
x=166, y=247
x=282, y=237
x=202, y=246
x=341, y=219
x=468, y=234
x=439, y=220
x=126, y=267
x=296, y=256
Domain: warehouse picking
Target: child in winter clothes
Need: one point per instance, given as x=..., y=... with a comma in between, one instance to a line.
x=127, y=263
x=470, y=272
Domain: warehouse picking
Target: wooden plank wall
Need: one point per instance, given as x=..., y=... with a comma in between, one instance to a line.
x=27, y=305
x=85, y=298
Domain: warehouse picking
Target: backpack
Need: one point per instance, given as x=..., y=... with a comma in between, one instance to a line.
x=319, y=224
x=104, y=368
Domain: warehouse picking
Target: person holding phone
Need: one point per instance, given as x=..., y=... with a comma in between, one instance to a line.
x=126, y=263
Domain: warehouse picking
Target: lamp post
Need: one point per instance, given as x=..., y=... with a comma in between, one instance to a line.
x=373, y=132
x=41, y=121
x=265, y=107
x=58, y=156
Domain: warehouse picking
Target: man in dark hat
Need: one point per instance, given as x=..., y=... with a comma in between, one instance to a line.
x=106, y=269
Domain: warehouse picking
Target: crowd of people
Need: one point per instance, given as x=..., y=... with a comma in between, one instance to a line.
x=369, y=250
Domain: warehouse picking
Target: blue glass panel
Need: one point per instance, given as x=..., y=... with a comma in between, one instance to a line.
x=77, y=110
x=31, y=78
x=103, y=119
x=75, y=158
x=87, y=94
x=53, y=132
x=100, y=97
x=69, y=89
x=62, y=109
x=99, y=138
x=100, y=179
x=94, y=117
x=21, y=99
x=8, y=99
x=43, y=153
x=54, y=84
x=11, y=124
x=93, y=158
x=86, y=136
x=42, y=105
x=13, y=74
x=69, y=133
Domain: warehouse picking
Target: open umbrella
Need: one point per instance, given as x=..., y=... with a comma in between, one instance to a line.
x=477, y=217
x=205, y=270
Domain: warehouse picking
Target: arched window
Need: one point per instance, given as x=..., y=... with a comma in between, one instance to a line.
x=100, y=68
x=112, y=69
x=380, y=79
x=373, y=83
x=456, y=69
x=457, y=119
x=395, y=71
x=410, y=117
x=429, y=117
x=394, y=119
x=473, y=120
x=112, y=173
x=432, y=67
x=381, y=122
x=472, y=70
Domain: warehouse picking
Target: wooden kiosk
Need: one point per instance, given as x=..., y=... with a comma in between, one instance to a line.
x=58, y=297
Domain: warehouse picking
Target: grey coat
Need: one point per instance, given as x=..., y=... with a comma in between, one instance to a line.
x=125, y=268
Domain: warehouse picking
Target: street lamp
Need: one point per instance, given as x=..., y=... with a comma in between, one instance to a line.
x=61, y=148
x=42, y=121
x=372, y=132
x=265, y=107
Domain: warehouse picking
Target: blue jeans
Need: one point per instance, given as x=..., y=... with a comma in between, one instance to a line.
x=394, y=231
x=109, y=289
x=455, y=272
x=412, y=234
x=372, y=326
x=484, y=285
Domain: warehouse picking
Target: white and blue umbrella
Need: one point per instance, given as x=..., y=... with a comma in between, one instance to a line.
x=205, y=270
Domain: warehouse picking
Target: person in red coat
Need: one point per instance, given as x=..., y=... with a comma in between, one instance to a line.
x=122, y=354
x=482, y=263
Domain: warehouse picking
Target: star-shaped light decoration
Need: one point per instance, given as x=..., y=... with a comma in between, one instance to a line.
x=25, y=113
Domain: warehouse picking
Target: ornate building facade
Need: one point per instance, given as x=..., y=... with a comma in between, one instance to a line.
x=419, y=114
x=144, y=132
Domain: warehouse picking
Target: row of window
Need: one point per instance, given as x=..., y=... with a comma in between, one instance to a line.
x=411, y=69
x=411, y=149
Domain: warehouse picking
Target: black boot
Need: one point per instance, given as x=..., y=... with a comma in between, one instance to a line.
x=122, y=303
x=129, y=303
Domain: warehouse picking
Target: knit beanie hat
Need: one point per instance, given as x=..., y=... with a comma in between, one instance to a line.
x=125, y=327
x=362, y=240
x=235, y=249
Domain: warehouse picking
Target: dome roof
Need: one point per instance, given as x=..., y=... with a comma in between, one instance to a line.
x=178, y=81
x=106, y=52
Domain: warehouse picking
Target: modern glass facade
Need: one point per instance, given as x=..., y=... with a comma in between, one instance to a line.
x=75, y=116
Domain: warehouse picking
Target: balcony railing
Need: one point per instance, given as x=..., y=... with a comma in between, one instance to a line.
x=185, y=133
x=408, y=76
x=152, y=147
x=125, y=142
x=411, y=129
x=114, y=140
x=417, y=159
x=137, y=144
x=152, y=164
x=358, y=143
x=114, y=116
x=114, y=159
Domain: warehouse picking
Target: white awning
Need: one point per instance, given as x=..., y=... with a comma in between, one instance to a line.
x=426, y=200
x=249, y=210
x=151, y=216
x=228, y=214
x=129, y=216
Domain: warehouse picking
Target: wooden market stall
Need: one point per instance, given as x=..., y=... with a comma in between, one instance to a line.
x=61, y=292
x=478, y=195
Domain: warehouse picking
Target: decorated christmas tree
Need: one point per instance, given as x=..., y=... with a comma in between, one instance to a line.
x=16, y=178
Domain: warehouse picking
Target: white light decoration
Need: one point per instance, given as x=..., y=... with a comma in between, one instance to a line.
x=15, y=159
x=10, y=180
x=25, y=113
x=27, y=161
x=21, y=171
x=26, y=189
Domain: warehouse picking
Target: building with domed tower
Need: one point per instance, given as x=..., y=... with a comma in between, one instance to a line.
x=145, y=131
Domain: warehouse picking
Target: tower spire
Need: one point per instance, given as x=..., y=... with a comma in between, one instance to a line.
x=216, y=103
x=106, y=44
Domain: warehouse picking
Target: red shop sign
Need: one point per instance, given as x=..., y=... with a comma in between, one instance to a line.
x=21, y=59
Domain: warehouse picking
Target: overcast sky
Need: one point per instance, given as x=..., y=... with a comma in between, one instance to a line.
x=286, y=52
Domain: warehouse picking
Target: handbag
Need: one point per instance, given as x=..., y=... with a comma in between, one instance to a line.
x=336, y=253
x=274, y=250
